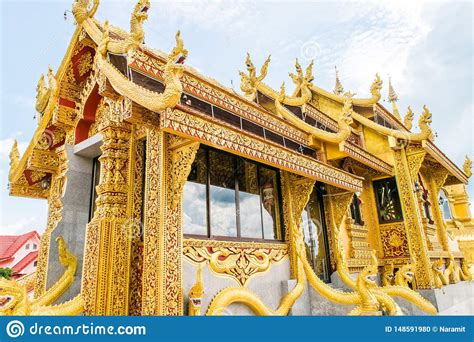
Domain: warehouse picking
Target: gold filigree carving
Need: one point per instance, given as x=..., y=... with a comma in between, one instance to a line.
x=240, y=261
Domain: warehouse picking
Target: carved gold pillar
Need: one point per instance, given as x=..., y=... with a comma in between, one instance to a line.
x=55, y=207
x=336, y=205
x=369, y=215
x=107, y=251
x=437, y=177
x=406, y=170
x=296, y=190
x=169, y=160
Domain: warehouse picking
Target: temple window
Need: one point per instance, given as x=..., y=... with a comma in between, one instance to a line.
x=388, y=201
x=229, y=196
x=355, y=210
x=444, y=204
x=315, y=234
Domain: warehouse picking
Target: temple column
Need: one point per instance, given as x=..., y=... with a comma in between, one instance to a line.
x=169, y=160
x=336, y=204
x=296, y=190
x=406, y=171
x=108, y=237
x=437, y=177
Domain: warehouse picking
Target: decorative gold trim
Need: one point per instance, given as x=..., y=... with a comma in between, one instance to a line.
x=238, y=260
x=198, y=128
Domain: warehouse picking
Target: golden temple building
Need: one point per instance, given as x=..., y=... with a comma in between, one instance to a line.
x=170, y=194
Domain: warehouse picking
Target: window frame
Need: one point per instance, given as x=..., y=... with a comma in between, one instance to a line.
x=379, y=217
x=239, y=237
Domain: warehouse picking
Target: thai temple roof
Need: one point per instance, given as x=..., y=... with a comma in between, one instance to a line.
x=297, y=117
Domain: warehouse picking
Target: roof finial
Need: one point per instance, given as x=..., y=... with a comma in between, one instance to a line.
x=338, y=88
x=467, y=167
x=393, y=98
x=408, y=119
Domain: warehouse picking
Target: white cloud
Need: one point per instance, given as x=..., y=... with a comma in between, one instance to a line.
x=21, y=226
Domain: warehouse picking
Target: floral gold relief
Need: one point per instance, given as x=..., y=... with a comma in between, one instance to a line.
x=238, y=260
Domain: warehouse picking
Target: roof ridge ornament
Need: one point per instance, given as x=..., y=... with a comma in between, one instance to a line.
x=153, y=101
x=46, y=94
x=467, y=166
x=81, y=11
x=316, y=134
x=248, y=83
x=338, y=88
x=408, y=119
x=393, y=98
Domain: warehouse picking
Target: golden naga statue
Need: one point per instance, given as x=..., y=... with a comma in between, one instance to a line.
x=424, y=123
x=467, y=167
x=43, y=92
x=153, y=101
x=383, y=294
x=250, y=83
x=437, y=268
x=131, y=41
x=408, y=119
x=366, y=300
x=366, y=280
x=81, y=11
x=19, y=304
x=405, y=275
x=195, y=295
x=388, y=276
x=344, y=121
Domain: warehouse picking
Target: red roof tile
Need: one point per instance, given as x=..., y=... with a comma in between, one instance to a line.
x=28, y=259
x=9, y=244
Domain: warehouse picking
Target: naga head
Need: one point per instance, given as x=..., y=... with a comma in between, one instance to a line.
x=387, y=274
x=424, y=123
x=196, y=293
x=376, y=87
x=12, y=295
x=406, y=274
x=300, y=79
x=178, y=55
x=467, y=166
x=408, y=119
x=438, y=265
x=140, y=11
x=369, y=273
x=249, y=82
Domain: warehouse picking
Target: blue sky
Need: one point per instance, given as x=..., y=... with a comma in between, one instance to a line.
x=426, y=47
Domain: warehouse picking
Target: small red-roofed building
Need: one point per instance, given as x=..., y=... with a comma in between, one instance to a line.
x=20, y=253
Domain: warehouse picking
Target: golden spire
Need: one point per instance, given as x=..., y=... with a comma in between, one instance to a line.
x=393, y=98
x=408, y=119
x=467, y=167
x=338, y=88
